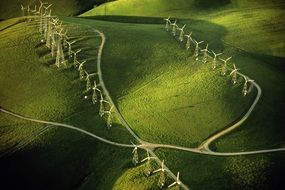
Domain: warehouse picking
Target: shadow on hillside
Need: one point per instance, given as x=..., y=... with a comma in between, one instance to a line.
x=68, y=161
x=127, y=19
x=206, y=4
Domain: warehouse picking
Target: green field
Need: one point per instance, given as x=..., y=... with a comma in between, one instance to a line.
x=162, y=92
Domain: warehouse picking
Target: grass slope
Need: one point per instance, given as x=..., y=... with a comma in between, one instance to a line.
x=32, y=86
x=129, y=68
x=143, y=74
x=259, y=25
x=251, y=31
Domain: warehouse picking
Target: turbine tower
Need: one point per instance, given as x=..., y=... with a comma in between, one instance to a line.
x=173, y=27
x=205, y=54
x=94, y=95
x=88, y=82
x=234, y=74
x=188, y=42
x=196, y=52
x=245, y=89
x=161, y=180
x=135, y=159
x=23, y=10
x=110, y=118
x=148, y=168
x=181, y=35
x=225, y=66
x=69, y=47
x=214, y=62
x=167, y=22
x=75, y=57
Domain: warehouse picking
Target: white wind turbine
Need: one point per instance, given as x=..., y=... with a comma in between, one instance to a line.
x=225, y=66
x=81, y=73
x=45, y=25
x=60, y=58
x=34, y=11
x=173, y=25
x=75, y=57
x=135, y=159
x=41, y=16
x=80, y=64
x=177, y=181
x=23, y=10
x=88, y=82
x=196, y=51
x=94, y=96
x=148, y=168
x=181, y=35
x=245, y=89
x=167, y=22
x=188, y=41
x=234, y=74
x=69, y=47
x=214, y=62
x=161, y=180
x=110, y=118
x=102, y=107
x=205, y=52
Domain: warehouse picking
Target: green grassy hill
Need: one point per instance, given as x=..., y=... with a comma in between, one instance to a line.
x=11, y=8
x=258, y=25
x=164, y=94
x=31, y=85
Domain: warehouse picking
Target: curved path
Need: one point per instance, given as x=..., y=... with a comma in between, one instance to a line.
x=65, y=126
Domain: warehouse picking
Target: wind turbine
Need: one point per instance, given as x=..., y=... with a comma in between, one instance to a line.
x=214, y=62
x=45, y=27
x=41, y=16
x=245, y=89
x=88, y=82
x=224, y=68
x=110, y=118
x=23, y=10
x=135, y=159
x=177, y=181
x=102, y=107
x=173, y=27
x=167, y=21
x=81, y=73
x=69, y=47
x=60, y=58
x=181, y=35
x=94, y=96
x=81, y=64
x=148, y=169
x=188, y=42
x=161, y=181
x=205, y=56
x=196, y=52
x=75, y=57
x=234, y=74
x=34, y=11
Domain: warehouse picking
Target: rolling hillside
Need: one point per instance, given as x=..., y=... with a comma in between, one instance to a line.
x=245, y=20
